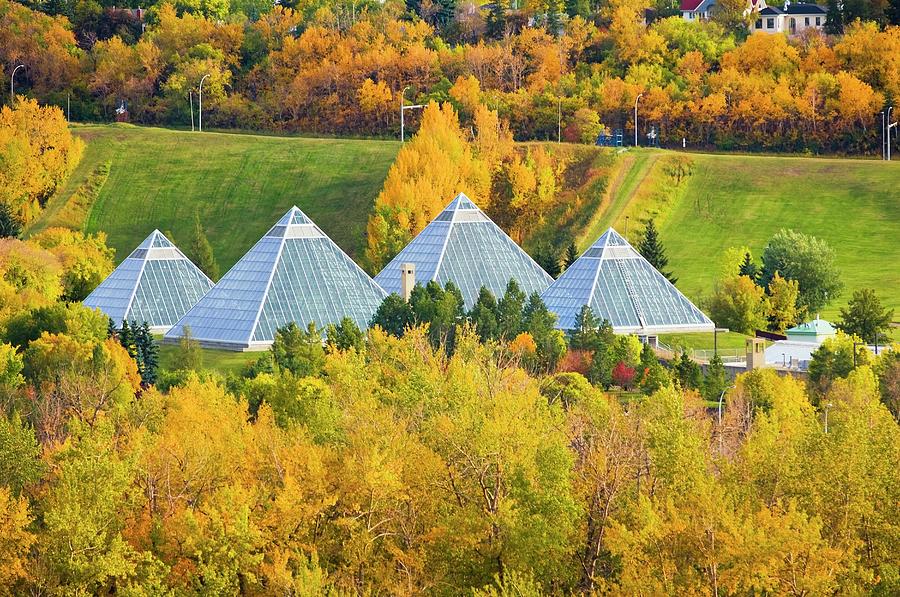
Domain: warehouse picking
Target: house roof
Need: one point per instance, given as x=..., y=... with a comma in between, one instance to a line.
x=806, y=9
x=690, y=5
x=770, y=11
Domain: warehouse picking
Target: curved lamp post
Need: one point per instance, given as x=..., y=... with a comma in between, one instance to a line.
x=200, y=108
x=12, y=92
x=640, y=95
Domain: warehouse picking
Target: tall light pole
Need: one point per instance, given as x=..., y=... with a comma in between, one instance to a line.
x=191, y=97
x=403, y=108
x=883, y=138
x=200, y=108
x=12, y=92
x=722, y=397
x=636, y=119
x=889, y=127
x=716, y=339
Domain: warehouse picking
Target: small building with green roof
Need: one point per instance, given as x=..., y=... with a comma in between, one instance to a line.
x=814, y=332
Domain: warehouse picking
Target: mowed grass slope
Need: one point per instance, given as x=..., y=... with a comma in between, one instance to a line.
x=238, y=184
x=737, y=200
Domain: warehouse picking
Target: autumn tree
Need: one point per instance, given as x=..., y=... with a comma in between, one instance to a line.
x=740, y=305
x=430, y=170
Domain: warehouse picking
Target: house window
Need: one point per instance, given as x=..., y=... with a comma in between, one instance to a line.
x=818, y=21
x=770, y=23
x=759, y=23
x=806, y=21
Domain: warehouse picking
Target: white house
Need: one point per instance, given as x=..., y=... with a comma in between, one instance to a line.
x=692, y=10
x=790, y=19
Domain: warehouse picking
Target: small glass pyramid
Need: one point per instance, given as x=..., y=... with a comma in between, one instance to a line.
x=293, y=273
x=622, y=287
x=156, y=284
x=462, y=244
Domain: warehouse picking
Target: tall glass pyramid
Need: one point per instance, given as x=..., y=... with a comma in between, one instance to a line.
x=293, y=273
x=622, y=287
x=156, y=284
x=464, y=245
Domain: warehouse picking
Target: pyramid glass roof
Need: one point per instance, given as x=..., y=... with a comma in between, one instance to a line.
x=622, y=287
x=155, y=284
x=462, y=244
x=293, y=273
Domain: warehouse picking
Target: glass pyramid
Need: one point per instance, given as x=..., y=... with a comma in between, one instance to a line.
x=464, y=245
x=293, y=273
x=156, y=284
x=621, y=286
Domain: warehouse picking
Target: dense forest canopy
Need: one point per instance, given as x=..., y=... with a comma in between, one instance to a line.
x=342, y=67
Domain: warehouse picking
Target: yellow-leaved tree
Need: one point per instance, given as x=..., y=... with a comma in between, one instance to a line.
x=429, y=171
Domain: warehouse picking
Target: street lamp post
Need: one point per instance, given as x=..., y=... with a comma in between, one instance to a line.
x=722, y=397
x=827, y=406
x=191, y=98
x=889, y=127
x=716, y=339
x=883, y=137
x=200, y=107
x=636, y=119
x=403, y=108
x=12, y=92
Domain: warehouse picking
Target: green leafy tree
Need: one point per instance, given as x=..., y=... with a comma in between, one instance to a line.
x=299, y=351
x=653, y=376
x=189, y=356
x=865, y=316
x=394, y=315
x=345, y=335
x=653, y=251
x=202, y=251
x=509, y=310
x=10, y=226
x=586, y=335
x=809, y=261
x=715, y=381
x=20, y=454
x=783, y=312
x=739, y=305
x=836, y=358
x=441, y=308
x=484, y=315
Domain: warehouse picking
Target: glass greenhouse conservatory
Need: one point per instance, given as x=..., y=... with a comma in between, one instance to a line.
x=462, y=244
x=155, y=284
x=622, y=287
x=293, y=273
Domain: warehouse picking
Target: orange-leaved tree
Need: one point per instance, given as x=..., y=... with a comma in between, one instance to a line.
x=429, y=171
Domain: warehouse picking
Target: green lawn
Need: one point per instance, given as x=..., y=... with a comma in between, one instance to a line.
x=222, y=361
x=240, y=184
x=704, y=341
x=735, y=200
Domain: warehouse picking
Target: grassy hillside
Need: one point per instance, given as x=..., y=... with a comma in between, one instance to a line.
x=737, y=200
x=239, y=184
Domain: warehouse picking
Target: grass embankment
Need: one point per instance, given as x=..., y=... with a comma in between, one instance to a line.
x=743, y=200
x=239, y=184
x=221, y=361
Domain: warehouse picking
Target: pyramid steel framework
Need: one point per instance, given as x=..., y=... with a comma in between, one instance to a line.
x=294, y=273
x=622, y=287
x=155, y=284
x=462, y=244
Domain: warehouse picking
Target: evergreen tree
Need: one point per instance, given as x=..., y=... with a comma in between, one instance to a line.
x=748, y=268
x=540, y=323
x=547, y=258
x=496, y=20
x=571, y=255
x=345, y=335
x=715, y=381
x=585, y=336
x=834, y=19
x=126, y=338
x=202, y=251
x=297, y=350
x=149, y=352
x=653, y=375
x=509, y=310
x=394, y=315
x=689, y=374
x=10, y=226
x=653, y=251
x=484, y=315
